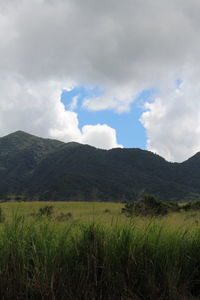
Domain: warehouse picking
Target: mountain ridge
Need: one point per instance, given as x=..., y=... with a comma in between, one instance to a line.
x=47, y=169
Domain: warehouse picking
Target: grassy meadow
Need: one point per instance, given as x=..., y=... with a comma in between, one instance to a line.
x=89, y=250
x=105, y=213
x=81, y=211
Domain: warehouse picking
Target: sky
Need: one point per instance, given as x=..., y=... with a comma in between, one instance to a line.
x=107, y=73
x=129, y=130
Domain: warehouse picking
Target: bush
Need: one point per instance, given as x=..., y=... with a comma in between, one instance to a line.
x=107, y=211
x=192, y=205
x=149, y=205
x=64, y=217
x=2, y=217
x=46, y=210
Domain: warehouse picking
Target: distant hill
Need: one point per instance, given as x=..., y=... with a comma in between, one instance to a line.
x=45, y=169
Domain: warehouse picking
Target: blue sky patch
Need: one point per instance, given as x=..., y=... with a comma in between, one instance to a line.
x=129, y=130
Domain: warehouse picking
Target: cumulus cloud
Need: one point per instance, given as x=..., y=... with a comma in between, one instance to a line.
x=119, y=100
x=106, y=43
x=101, y=136
x=74, y=103
x=119, y=46
x=173, y=122
x=123, y=47
x=37, y=108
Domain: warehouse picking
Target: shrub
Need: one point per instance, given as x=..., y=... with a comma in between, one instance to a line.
x=64, y=217
x=148, y=205
x=46, y=210
x=107, y=211
x=33, y=214
x=2, y=217
x=192, y=205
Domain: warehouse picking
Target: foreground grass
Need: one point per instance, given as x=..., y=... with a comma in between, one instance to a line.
x=41, y=258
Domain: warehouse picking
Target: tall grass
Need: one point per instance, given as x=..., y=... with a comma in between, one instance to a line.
x=43, y=259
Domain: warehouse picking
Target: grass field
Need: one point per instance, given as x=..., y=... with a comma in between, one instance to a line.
x=106, y=213
x=80, y=210
x=98, y=253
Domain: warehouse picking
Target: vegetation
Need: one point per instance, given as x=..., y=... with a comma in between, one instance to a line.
x=91, y=251
x=47, y=210
x=64, y=217
x=191, y=205
x=43, y=169
x=148, y=205
x=41, y=258
x=2, y=217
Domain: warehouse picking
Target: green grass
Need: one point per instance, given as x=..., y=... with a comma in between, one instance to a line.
x=106, y=213
x=79, y=209
x=106, y=257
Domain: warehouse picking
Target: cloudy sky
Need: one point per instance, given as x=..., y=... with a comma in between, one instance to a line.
x=108, y=73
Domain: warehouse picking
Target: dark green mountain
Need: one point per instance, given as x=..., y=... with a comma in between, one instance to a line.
x=47, y=169
x=20, y=153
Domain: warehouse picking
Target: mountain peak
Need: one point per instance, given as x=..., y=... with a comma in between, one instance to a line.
x=19, y=134
x=20, y=140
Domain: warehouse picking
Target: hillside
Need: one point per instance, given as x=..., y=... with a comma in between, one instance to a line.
x=20, y=153
x=47, y=169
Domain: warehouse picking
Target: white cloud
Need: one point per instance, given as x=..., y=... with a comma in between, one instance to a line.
x=173, y=123
x=119, y=47
x=100, y=136
x=36, y=108
x=74, y=103
x=119, y=100
x=48, y=45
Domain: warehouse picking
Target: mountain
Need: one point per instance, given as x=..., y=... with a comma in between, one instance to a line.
x=45, y=169
x=20, y=153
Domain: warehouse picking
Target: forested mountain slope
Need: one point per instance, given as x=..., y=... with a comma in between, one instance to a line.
x=46, y=169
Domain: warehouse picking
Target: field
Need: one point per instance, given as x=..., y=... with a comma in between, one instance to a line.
x=81, y=211
x=105, y=213
x=87, y=250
